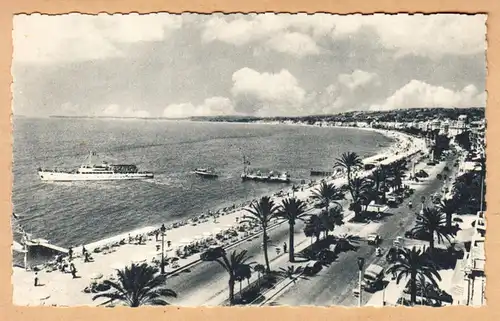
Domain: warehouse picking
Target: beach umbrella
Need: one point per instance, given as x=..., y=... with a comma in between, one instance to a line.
x=96, y=276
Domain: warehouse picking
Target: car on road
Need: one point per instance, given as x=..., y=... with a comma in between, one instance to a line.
x=373, y=278
x=213, y=253
x=312, y=267
x=373, y=239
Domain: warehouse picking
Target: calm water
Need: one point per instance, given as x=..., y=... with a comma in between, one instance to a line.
x=75, y=213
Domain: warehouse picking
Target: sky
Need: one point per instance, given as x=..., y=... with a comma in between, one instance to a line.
x=165, y=65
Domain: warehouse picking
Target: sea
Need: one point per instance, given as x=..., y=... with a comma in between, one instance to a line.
x=70, y=214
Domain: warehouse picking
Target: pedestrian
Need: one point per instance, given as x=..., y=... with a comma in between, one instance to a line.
x=284, y=247
x=87, y=257
x=70, y=253
x=129, y=238
x=156, y=235
x=169, y=243
x=36, y=279
x=73, y=270
x=84, y=250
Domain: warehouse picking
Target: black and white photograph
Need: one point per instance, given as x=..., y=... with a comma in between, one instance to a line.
x=264, y=159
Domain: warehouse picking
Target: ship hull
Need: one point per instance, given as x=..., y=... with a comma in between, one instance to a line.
x=71, y=177
x=264, y=179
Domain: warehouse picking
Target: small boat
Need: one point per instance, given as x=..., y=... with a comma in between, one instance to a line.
x=205, y=172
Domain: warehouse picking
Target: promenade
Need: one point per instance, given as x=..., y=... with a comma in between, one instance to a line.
x=61, y=289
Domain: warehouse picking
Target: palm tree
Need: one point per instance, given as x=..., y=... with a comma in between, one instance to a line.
x=378, y=177
x=314, y=227
x=291, y=209
x=260, y=269
x=349, y=161
x=138, y=285
x=415, y=264
x=233, y=266
x=291, y=272
x=448, y=207
x=397, y=170
x=326, y=193
x=334, y=217
x=360, y=191
x=431, y=222
x=243, y=272
x=262, y=213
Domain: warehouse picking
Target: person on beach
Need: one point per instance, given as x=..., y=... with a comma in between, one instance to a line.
x=73, y=270
x=169, y=243
x=70, y=253
x=36, y=279
x=157, y=233
x=87, y=257
x=284, y=247
x=84, y=250
x=129, y=238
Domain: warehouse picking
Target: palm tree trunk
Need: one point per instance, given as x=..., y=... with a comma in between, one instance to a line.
x=291, y=256
x=431, y=242
x=448, y=221
x=258, y=279
x=413, y=289
x=266, y=256
x=231, y=291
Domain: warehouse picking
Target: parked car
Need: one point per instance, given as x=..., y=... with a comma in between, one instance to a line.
x=312, y=268
x=212, y=253
x=373, y=239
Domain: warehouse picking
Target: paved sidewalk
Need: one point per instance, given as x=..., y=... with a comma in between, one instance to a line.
x=390, y=295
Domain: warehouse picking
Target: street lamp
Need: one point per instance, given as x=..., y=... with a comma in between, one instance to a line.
x=162, y=230
x=361, y=263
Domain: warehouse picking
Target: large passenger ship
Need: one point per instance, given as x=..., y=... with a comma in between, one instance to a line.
x=95, y=172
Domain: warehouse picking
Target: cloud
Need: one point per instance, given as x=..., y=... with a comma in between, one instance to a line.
x=274, y=93
x=268, y=30
x=432, y=35
x=358, y=78
x=214, y=106
x=420, y=94
x=420, y=35
x=76, y=37
x=114, y=110
x=294, y=43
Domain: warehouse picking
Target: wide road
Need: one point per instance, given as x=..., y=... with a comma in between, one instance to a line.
x=207, y=282
x=334, y=285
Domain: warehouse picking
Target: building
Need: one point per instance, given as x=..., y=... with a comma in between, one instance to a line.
x=469, y=274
